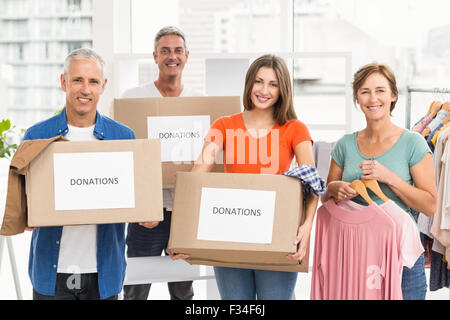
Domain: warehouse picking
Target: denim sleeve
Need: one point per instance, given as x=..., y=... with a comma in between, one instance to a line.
x=27, y=135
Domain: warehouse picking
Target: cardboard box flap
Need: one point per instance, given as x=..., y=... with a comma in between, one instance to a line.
x=253, y=257
x=135, y=114
x=299, y=267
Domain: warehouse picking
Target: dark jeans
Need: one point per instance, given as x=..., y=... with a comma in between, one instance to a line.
x=74, y=287
x=144, y=242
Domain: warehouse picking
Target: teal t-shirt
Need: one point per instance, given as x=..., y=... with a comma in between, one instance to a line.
x=409, y=150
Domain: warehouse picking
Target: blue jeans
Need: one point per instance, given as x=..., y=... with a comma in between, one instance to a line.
x=249, y=284
x=414, y=281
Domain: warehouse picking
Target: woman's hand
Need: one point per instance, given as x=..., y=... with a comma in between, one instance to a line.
x=373, y=170
x=302, y=242
x=340, y=190
x=149, y=225
x=175, y=256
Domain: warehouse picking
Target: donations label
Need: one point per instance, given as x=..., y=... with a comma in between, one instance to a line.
x=236, y=215
x=181, y=136
x=94, y=180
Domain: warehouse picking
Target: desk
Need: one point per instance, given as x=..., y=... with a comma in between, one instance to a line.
x=141, y=270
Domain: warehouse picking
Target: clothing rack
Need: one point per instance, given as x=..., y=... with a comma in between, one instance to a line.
x=12, y=259
x=408, y=100
x=410, y=90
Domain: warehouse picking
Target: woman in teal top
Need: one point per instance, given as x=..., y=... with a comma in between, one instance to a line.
x=398, y=159
x=407, y=151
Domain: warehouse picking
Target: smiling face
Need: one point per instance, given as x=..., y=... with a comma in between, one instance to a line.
x=265, y=91
x=170, y=56
x=375, y=97
x=83, y=85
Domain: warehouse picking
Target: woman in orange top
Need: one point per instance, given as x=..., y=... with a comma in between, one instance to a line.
x=264, y=140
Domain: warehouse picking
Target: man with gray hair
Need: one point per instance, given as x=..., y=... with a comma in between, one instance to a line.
x=79, y=262
x=171, y=55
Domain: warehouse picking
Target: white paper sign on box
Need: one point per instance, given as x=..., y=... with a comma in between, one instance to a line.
x=236, y=215
x=94, y=180
x=181, y=136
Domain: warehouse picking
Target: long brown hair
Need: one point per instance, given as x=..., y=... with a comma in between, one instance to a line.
x=284, y=107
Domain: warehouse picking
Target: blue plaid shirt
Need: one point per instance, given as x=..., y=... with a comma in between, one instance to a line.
x=312, y=183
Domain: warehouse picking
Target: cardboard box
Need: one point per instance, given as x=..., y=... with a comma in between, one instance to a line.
x=182, y=134
x=95, y=182
x=237, y=220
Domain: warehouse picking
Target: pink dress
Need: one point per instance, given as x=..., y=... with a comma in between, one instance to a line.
x=408, y=238
x=355, y=255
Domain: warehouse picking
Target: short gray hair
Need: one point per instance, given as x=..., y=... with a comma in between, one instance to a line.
x=83, y=54
x=169, y=31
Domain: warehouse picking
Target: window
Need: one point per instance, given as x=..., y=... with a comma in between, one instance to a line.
x=20, y=74
x=36, y=36
x=202, y=21
x=73, y=45
x=16, y=29
x=17, y=51
x=45, y=27
x=74, y=5
x=18, y=97
x=46, y=7
x=410, y=36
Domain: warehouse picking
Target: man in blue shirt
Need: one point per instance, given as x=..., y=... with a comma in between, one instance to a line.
x=79, y=262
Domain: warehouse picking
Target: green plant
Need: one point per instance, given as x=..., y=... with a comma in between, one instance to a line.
x=7, y=147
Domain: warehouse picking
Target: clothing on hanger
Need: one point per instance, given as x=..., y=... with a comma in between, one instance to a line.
x=409, y=245
x=432, y=134
x=435, y=227
x=437, y=133
x=440, y=117
x=441, y=167
x=419, y=127
x=439, y=272
x=424, y=121
x=355, y=255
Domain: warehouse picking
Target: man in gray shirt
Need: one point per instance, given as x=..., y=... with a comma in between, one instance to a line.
x=170, y=55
